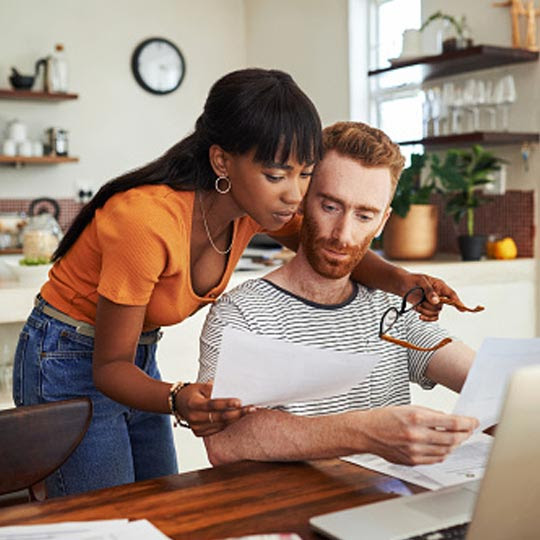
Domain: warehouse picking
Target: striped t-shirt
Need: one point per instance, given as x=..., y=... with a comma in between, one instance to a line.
x=263, y=308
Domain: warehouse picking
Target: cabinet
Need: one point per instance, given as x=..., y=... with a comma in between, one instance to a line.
x=29, y=95
x=426, y=68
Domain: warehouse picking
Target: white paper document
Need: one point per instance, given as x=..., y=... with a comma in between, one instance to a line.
x=467, y=462
x=264, y=371
x=483, y=393
x=111, y=529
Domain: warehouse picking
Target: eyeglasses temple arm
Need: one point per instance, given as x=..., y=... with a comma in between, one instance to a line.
x=408, y=345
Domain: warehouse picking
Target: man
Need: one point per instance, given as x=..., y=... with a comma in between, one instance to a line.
x=312, y=301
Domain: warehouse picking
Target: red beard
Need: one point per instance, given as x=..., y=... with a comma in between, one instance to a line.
x=313, y=243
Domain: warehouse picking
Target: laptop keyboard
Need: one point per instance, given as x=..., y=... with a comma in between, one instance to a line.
x=456, y=532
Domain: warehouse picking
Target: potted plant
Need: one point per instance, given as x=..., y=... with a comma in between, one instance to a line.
x=411, y=231
x=462, y=174
x=456, y=34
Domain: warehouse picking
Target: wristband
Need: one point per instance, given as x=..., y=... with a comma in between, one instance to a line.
x=179, y=420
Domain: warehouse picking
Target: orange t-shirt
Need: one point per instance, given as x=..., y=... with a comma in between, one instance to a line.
x=135, y=251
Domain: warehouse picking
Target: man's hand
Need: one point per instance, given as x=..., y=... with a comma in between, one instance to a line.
x=434, y=288
x=412, y=435
x=204, y=415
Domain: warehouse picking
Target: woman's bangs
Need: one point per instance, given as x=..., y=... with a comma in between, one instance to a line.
x=282, y=137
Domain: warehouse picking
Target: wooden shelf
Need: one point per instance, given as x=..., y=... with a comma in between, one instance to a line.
x=489, y=138
x=6, y=93
x=44, y=160
x=473, y=58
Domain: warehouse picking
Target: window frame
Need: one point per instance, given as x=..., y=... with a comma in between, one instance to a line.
x=377, y=94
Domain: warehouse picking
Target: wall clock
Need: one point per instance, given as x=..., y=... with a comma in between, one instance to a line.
x=158, y=65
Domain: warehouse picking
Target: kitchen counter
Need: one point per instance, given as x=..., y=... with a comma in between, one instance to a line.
x=458, y=273
x=16, y=298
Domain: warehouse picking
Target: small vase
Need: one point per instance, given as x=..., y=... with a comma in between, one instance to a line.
x=472, y=247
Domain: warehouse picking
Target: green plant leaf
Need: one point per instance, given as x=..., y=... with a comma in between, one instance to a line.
x=409, y=189
x=461, y=174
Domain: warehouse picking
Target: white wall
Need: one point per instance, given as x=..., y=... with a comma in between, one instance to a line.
x=115, y=125
x=308, y=39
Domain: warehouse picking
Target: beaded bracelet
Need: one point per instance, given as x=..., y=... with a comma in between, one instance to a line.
x=178, y=419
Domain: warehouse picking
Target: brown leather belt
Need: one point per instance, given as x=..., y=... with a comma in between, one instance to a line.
x=87, y=329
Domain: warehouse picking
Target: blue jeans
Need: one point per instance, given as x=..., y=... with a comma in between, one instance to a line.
x=122, y=445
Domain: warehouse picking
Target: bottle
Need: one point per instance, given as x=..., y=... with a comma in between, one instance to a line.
x=59, y=69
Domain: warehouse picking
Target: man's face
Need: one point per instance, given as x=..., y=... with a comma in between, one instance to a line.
x=346, y=206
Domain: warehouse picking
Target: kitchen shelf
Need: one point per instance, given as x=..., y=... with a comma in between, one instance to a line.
x=473, y=58
x=44, y=160
x=6, y=93
x=491, y=138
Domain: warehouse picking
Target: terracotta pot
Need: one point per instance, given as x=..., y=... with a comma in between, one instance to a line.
x=414, y=236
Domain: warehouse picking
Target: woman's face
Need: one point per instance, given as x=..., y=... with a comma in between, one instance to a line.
x=268, y=192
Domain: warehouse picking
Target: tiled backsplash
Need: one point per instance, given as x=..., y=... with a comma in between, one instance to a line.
x=69, y=208
x=511, y=214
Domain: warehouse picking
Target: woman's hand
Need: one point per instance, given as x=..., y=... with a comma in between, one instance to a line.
x=434, y=288
x=207, y=416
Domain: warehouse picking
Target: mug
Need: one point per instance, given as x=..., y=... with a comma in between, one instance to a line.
x=9, y=147
x=24, y=148
x=16, y=130
x=37, y=148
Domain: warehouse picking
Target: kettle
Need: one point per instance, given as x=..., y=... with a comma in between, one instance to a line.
x=46, y=64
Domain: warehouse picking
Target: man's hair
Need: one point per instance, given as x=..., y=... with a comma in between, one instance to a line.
x=369, y=145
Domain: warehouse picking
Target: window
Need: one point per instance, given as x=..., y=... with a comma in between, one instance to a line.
x=395, y=107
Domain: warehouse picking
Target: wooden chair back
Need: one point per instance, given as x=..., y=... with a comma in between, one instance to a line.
x=35, y=440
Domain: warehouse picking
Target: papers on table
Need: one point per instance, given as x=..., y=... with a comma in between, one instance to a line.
x=466, y=462
x=111, y=529
x=263, y=371
x=483, y=393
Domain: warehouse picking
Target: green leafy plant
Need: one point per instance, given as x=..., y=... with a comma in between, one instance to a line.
x=409, y=189
x=459, y=25
x=462, y=174
x=35, y=262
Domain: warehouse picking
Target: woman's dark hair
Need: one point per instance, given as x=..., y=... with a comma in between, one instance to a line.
x=247, y=109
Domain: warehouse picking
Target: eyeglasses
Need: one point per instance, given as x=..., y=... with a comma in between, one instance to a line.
x=414, y=297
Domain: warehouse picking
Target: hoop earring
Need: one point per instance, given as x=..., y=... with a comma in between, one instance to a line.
x=225, y=179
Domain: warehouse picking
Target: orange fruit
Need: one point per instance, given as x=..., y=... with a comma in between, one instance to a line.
x=505, y=249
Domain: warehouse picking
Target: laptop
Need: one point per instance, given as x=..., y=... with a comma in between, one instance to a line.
x=504, y=505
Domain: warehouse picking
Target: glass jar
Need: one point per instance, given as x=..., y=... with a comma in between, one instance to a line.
x=41, y=238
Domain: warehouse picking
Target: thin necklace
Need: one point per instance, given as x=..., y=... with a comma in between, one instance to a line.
x=205, y=223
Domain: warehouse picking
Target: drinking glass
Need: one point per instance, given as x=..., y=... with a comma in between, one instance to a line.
x=491, y=105
x=447, y=102
x=469, y=105
x=479, y=103
x=457, y=112
x=505, y=95
x=436, y=110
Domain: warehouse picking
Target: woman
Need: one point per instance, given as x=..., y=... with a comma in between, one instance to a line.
x=150, y=249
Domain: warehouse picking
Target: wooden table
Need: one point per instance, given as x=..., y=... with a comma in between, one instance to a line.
x=231, y=500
